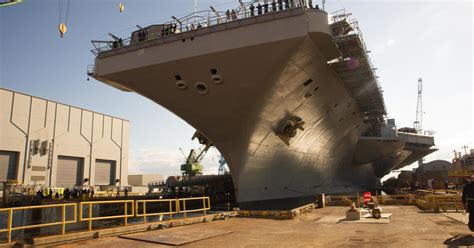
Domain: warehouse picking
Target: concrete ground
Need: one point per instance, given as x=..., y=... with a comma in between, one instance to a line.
x=461, y=217
x=409, y=227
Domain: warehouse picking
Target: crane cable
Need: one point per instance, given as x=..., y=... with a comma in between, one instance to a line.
x=63, y=25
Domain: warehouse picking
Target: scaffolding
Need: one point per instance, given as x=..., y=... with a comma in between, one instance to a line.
x=355, y=69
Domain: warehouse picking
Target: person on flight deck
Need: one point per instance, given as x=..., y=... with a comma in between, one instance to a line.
x=252, y=8
x=173, y=27
x=265, y=7
x=274, y=6
x=468, y=201
x=233, y=14
x=259, y=9
x=227, y=15
x=280, y=5
x=286, y=4
x=292, y=4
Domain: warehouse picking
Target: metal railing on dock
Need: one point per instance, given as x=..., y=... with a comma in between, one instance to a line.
x=91, y=218
x=170, y=207
x=169, y=203
x=185, y=211
x=425, y=200
x=11, y=211
x=120, y=209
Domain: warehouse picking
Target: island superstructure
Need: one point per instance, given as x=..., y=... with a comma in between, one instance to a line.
x=287, y=95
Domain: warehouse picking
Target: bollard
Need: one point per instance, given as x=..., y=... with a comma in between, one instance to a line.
x=321, y=200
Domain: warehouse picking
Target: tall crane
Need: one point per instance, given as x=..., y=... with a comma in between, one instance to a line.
x=192, y=166
x=418, y=124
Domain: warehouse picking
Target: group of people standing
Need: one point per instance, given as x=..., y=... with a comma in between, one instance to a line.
x=230, y=15
x=274, y=6
x=65, y=194
x=277, y=5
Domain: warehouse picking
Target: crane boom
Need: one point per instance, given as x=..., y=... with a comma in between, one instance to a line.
x=418, y=124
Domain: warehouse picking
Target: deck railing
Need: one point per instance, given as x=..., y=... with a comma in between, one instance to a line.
x=11, y=211
x=127, y=209
x=427, y=201
x=125, y=215
x=206, y=205
x=169, y=204
x=194, y=21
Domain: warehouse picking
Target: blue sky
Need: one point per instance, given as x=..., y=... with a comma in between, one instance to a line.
x=407, y=39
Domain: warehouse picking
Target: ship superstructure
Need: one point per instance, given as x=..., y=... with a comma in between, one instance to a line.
x=291, y=98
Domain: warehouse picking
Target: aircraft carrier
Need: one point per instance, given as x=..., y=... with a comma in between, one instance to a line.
x=286, y=93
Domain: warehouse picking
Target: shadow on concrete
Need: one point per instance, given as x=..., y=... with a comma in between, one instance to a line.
x=460, y=240
x=341, y=220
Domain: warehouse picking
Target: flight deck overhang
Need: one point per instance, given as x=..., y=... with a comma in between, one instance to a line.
x=251, y=31
x=392, y=153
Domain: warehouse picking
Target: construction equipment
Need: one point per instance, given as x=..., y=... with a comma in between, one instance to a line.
x=63, y=21
x=121, y=7
x=418, y=124
x=192, y=167
x=9, y=2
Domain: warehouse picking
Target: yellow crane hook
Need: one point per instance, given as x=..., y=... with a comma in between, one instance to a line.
x=62, y=29
x=121, y=7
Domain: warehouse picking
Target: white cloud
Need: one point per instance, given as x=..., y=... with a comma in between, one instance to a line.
x=381, y=46
x=390, y=43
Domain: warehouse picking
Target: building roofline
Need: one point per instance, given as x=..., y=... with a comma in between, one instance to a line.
x=65, y=104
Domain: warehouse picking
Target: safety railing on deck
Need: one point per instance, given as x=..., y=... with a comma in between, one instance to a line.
x=171, y=207
x=185, y=211
x=167, y=203
x=11, y=211
x=403, y=199
x=440, y=202
x=91, y=218
x=125, y=208
x=426, y=201
x=194, y=21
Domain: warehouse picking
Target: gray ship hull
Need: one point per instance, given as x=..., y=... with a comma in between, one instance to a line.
x=272, y=73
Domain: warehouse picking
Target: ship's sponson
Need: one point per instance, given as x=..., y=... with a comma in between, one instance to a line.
x=393, y=151
x=261, y=90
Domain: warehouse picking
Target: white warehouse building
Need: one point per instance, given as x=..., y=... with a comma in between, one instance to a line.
x=43, y=142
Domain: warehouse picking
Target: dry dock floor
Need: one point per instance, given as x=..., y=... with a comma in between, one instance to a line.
x=409, y=227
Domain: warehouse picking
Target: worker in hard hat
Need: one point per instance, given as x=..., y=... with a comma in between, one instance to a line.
x=468, y=201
